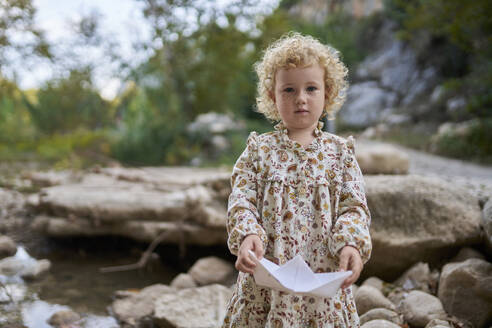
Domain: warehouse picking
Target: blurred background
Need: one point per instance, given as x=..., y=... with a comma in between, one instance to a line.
x=120, y=122
x=171, y=82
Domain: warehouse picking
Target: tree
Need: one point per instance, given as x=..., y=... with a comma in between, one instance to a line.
x=20, y=40
x=66, y=104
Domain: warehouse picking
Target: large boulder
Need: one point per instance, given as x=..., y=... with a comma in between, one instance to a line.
x=188, y=203
x=170, y=178
x=144, y=231
x=110, y=203
x=136, y=308
x=192, y=307
x=465, y=290
x=417, y=219
x=376, y=158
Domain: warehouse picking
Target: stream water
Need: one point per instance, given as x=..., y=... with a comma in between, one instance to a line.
x=75, y=282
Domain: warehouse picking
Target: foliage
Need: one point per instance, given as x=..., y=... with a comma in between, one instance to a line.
x=15, y=121
x=67, y=104
x=20, y=39
x=473, y=145
x=78, y=149
x=201, y=58
x=150, y=134
x=339, y=30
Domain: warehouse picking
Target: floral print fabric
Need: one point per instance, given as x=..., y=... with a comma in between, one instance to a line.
x=308, y=201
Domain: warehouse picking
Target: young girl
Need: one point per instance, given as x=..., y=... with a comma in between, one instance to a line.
x=297, y=190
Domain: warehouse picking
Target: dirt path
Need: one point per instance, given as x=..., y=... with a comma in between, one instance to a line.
x=476, y=178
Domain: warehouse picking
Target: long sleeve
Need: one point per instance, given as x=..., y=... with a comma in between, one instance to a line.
x=242, y=212
x=351, y=227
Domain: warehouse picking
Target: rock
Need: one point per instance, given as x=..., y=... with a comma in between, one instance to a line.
x=437, y=93
x=113, y=203
x=192, y=307
x=374, y=282
x=13, y=292
x=211, y=270
x=472, y=281
x=53, y=178
x=64, y=318
x=374, y=132
x=382, y=314
x=397, y=295
x=11, y=266
x=395, y=66
x=467, y=253
x=138, y=307
x=138, y=203
x=368, y=297
x=381, y=159
x=456, y=105
x=145, y=231
x=32, y=202
x=487, y=225
x=365, y=103
x=23, y=265
x=212, y=123
x=37, y=270
x=380, y=323
x=171, y=178
x=417, y=277
x=436, y=323
x=7, y=247
x=183, y=280
x=417, y=218
x=11, y=203
x=419, y=308
x=393, y=119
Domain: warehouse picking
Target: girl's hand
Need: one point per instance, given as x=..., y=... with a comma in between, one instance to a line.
x=244, y=263
x=350, y=260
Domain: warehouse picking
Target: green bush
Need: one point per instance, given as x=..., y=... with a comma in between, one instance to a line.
x=473, y=145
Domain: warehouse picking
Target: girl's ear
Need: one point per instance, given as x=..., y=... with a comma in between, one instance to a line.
x=271, y=94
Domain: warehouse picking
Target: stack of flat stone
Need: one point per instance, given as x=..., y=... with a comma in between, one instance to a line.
x=139, y=203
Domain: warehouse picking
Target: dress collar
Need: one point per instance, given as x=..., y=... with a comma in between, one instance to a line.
x=282, y=129
x=280, y=126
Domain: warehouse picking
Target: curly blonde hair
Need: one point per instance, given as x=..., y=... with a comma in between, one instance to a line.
x=294, y=50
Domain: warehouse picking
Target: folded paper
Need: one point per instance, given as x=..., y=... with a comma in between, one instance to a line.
x=295, y=276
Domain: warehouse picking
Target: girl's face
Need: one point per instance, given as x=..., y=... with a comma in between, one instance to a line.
x=299, y=96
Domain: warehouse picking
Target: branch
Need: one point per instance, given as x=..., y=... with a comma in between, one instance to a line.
x=143, y=259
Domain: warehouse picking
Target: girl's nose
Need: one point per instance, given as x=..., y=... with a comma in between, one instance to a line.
x=301, y=97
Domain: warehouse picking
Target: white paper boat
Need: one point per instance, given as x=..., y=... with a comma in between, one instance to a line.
x=295, y=276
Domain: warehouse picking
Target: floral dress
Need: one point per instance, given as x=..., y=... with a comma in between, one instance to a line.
x=308, y=201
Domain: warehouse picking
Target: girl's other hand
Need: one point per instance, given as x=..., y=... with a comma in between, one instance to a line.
x=244, y=263
x=350, y=260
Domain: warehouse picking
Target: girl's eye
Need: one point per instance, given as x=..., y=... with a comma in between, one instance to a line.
x=288, y=89
x=311, y=89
